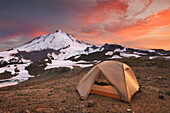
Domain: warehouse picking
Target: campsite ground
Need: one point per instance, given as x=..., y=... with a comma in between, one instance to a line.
x=55, y=91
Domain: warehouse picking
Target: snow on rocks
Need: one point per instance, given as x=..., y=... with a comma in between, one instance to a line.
x=7, y=55
x=66, y=63
x=22, y=74
x=46, y=60
x=115, y=56
x=65, y=43
x=167, y=57
x=109, y=53
x=129, y=55
x=139, y=53
x=161, y=54
x=8, y=83
x=120, y=50
x=76, y=57
x=97, y=61
x=149, y=50
x=153, y=57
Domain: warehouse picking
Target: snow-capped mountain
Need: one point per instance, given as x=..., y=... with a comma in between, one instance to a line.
x=57, y=45
x=55, y=41
x=60, y=49
x=60, y=45
x=115, y=51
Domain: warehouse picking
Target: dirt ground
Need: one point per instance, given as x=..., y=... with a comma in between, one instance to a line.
x=57, y=93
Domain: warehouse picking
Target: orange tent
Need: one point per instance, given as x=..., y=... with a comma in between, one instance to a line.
x=109, y=78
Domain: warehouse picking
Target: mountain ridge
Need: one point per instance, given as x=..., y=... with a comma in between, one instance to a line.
x=61, y=46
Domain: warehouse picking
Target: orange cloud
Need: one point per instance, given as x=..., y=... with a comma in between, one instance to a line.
x=152, y=32
x=147, y=26
x=102, y=10
x=153, y=42
x=38, y=32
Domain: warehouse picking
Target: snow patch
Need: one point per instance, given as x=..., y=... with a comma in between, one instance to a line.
x=161, y=54
x=8, y=83
x=82, y=61
x=120, y=50
x=7, y=55
x=129, y=55
x=109, y=53
x=22, y=74
x=76, y=57
x=97, y=61
x=139, y=53
x=60, y=40
x=153, y=57
x=54, y=56
x=149, y=50
x=115, y=56
x=167, y=57
x=46, y=60
x=66, y=63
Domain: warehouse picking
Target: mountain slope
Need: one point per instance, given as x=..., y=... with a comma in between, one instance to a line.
x=60, y=45
x=57, y=45
x=56, y=41
x=60, y=49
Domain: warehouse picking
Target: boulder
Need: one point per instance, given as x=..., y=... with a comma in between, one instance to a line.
x=161, y=96
x=90, y=103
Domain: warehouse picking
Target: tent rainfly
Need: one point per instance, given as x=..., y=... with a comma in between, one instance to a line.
x=109, y=78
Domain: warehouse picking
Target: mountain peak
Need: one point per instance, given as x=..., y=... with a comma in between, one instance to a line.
x=56, y=41
x=58, y=30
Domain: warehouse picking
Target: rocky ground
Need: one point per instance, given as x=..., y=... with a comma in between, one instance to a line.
x=55, y=92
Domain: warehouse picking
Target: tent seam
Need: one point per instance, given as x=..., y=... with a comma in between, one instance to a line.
x=125, y=81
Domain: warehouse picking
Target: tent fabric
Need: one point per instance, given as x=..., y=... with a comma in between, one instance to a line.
x=108, y=91
x=119, y=75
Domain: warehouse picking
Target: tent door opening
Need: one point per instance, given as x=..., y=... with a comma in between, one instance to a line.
x=102, y=87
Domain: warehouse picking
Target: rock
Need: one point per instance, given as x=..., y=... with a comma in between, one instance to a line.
x=90, y=103
x=138, y=77
x=143, y=91
x=63, y=101
x=49, y=94
x=27, y=111
x=17, y=70
x=149, y=78
x=159, y=77
x=166, y=85
x=81, y=106
x=142, y=86
x=116, y=106
x=161, y=96
x=130, y=111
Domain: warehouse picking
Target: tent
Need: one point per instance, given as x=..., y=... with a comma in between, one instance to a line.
x=109, y=78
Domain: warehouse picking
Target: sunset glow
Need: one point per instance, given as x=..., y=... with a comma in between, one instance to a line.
x=132, y=23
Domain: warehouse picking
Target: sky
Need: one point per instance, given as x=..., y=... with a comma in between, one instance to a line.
x=142, y=24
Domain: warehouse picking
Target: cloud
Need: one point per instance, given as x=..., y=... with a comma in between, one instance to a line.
x=151, y=42
x=160, y=19
x=112, y=15
x=94, y=21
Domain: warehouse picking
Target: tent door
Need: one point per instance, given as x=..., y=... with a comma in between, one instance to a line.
x=102, y=87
